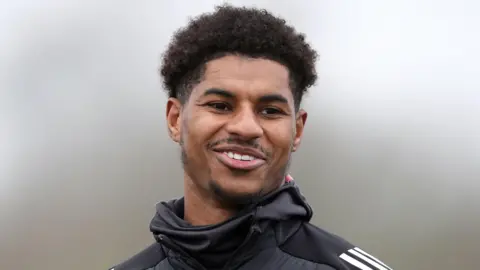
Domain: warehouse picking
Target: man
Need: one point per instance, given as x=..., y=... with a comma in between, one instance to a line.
x=235, y=80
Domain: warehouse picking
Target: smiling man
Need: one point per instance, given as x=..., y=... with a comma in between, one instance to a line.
x=235, y=80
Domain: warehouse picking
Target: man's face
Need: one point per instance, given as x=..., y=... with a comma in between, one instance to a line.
x=238, y=128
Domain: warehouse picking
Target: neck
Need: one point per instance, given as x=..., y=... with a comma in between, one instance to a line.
x=201, y=208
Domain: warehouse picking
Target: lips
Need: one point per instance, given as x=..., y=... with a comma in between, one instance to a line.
x=241, y=150
x=240, y=158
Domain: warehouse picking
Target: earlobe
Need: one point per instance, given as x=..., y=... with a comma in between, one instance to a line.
x=300, y=121
x=173, y=114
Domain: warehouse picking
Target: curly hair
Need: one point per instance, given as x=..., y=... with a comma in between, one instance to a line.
x=242, y=31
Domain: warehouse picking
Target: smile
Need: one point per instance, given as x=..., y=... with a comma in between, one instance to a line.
x=239, y=156
x=239, y=161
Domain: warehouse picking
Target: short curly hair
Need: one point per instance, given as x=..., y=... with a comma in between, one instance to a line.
x=242, y=31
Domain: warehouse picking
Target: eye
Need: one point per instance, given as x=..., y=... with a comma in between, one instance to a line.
x=271, y=111
x=219, y=106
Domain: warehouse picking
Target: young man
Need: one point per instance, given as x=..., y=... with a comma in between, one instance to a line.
x=235, y=80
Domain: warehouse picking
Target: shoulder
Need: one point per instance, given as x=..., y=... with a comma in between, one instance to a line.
x=143, y=260
x=317, y=245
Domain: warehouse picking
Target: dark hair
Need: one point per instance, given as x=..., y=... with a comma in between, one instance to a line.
x=236, y=30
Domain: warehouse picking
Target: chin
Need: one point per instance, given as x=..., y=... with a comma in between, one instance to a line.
x=236, y=193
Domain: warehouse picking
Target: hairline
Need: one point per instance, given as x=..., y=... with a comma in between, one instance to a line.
x=194, y=76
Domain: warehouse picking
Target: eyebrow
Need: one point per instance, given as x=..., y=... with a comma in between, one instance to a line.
x=218, y=92
x=273, y=98
x=263, y=99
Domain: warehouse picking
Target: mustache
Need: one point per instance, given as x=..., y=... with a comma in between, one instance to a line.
x=239, y=142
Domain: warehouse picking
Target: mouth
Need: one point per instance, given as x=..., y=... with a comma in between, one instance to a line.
x=239, y=158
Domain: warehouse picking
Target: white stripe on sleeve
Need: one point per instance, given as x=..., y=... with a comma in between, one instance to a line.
x=373, y=258
x=354, y=262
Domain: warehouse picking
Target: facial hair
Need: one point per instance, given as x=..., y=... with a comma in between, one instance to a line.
x=233, y=200
x=230, y=199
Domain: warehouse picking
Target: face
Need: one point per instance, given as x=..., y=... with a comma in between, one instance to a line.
x=238, y=128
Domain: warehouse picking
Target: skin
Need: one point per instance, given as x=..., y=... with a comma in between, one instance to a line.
x=239, y=101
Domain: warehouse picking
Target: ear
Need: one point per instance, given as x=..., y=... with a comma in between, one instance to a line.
x=299, y=127
x=174, y=119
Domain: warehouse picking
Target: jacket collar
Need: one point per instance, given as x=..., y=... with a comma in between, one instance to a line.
x=213, y=245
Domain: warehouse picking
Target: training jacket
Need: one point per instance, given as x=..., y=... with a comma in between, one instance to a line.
x=272, y=234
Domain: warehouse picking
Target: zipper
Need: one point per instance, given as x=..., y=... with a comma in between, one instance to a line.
x=186, y=257
x=254, y=229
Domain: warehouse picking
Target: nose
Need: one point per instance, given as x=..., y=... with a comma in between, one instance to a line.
x=244, y=124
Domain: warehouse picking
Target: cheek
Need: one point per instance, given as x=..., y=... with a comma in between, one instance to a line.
x=199, y=130
x=280, y=136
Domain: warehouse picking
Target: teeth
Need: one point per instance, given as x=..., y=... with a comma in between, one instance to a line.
x=238, y=156
x=247, y=157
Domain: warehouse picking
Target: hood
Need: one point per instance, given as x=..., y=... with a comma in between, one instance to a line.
x=212, y=245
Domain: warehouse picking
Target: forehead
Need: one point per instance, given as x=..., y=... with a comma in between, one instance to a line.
x=248, y=76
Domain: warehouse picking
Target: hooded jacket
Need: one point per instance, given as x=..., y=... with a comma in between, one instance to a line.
x=273, y=233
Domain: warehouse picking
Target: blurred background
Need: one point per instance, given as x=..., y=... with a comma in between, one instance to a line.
x=390, y=159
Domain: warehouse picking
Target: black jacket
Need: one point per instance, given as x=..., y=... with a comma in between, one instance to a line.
x=274, y=233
